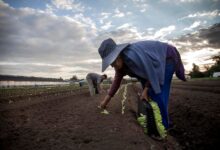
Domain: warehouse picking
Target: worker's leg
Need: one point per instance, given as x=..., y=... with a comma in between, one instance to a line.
x=91, y=86
x=96, y=90
x=162, y=98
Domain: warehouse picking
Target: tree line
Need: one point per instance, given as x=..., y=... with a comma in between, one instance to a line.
x=25, y=78
x=209, y=70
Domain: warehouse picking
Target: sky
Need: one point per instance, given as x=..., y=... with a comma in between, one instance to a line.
x=60, y=38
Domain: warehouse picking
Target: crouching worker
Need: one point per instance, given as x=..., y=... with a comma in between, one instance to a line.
x=153, y=63
x=94, y=82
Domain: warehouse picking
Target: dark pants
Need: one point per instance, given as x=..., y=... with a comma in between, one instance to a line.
x=162, y=98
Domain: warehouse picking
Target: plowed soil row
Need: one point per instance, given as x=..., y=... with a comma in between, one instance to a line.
x=194, y=111
x=72, y=122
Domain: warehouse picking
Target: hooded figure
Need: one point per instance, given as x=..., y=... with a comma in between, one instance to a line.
x=94, y=82
x=153, y=63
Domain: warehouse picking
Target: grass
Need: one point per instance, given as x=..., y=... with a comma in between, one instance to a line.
x=29, y=91
x=33, y=91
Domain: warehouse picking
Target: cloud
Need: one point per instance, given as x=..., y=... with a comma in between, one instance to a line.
x=212, y=35
x=199, y=46
x=203, y=38
x=200, y=57
x=205, y=14
x=85, y=21
x=118, y=13
x=128, y=13
x=67, y=5
x=193, y=26
x=107, y=25
x=163, y=32
x=47, y=42
x=181, y=1
x=126, y=33
x=141, y=5
x=124, y=26
x=89, y=61
x=29, y=37
x=30, y=69
x=103, y=17
x=129, y=33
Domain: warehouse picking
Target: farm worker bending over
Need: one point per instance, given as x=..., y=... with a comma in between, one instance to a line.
x=153, y=63
x=94, y=80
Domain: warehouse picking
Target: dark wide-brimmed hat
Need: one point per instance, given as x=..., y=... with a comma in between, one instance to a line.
x=109, y=51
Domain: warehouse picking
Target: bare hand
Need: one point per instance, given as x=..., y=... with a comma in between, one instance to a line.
x=102, y=91
x=104, y=103
x=144, y=94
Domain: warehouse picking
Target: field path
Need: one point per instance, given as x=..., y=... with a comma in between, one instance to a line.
x=72, y=122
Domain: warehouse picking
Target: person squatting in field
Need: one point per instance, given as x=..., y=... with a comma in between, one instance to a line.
x=94, y=82
x=153, y=63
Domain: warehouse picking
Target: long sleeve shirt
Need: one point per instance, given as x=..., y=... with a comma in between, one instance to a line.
x=172, y=53
x=96, y=78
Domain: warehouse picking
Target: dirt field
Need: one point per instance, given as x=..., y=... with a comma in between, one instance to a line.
x=73, y=121
x=195, y=113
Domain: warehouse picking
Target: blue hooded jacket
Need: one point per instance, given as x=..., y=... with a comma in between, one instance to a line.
x=147, y=59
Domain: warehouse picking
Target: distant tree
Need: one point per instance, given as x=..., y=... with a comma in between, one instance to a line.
x=216, y=66
x=74, y=78
x=216, y=59
x=207, y=72
x=26, y=78
x=195, y=73
x=195, y=68
x=207, y=67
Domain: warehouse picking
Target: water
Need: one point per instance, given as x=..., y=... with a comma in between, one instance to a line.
x=29, y=83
